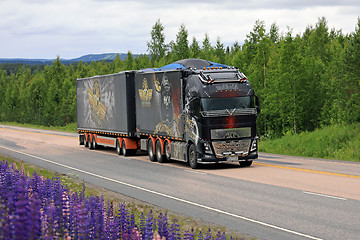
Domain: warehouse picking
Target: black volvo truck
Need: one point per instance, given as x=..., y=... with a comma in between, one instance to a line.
x=192, y=110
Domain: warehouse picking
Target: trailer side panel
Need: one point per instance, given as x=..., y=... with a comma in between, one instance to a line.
x=106, y=103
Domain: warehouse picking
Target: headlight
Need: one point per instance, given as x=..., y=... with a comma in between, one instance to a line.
x=253, y=146
x=207, y=148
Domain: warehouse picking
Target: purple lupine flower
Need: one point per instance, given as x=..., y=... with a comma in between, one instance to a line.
x=142, y=225
x=18, y=218
x=163, y=226
x=174, y=231
x=208, y=235
x=189, y=235
x=148, y=231
x=220, y=236
x=111, y=232
x=62, y=214
x=81, y=223
x=132, y=222
x=200, y=236
x=35, y=218
x=65, y=207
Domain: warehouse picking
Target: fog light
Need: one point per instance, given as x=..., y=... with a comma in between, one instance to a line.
x=207, y=148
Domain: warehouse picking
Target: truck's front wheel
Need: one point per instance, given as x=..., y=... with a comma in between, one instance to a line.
x=151, y=151
x=192, y=153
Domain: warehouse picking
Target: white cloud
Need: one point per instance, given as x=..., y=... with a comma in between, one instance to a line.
x=71, y=28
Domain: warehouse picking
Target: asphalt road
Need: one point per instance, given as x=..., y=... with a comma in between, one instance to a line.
x=278, y=197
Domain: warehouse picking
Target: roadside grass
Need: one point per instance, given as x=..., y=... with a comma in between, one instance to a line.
x=71, y=127
x=340, y=142
x=137, y=207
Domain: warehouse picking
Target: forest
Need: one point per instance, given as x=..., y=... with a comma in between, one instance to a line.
x=305, y=81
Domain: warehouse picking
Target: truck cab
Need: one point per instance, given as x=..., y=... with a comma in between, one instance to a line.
x=220, y=116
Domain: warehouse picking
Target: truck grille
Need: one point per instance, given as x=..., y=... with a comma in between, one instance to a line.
x=226, y=112
x=232, y=148
x=230, y=133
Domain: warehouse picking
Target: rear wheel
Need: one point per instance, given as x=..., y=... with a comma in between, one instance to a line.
x=93, y=143
x=193, y=157
x=167, y=151
x=245, y=163
x=89, y=143
x=86, y=143
x=151, y=151
x=124, y=151
x=159, y=156
x=118, y=148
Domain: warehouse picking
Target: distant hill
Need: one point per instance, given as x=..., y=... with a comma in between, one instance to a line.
x=85, y=58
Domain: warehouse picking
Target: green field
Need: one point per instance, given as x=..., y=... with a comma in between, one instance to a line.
x=340, y=142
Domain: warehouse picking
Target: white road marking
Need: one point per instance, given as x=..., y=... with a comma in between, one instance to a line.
x=169, y=196
x=323, y=195
x=196, y=172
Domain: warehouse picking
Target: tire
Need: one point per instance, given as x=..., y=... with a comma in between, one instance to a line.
x=159, y=156
x=86, y=143
x=151, y=154
x=124, y=151
x=167, y=151
x=89, y=143
x=245, y=163
x=118, y=149
x=192, y=156
x=93, y=143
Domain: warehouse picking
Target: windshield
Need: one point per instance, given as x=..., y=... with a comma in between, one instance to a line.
x=214, y=104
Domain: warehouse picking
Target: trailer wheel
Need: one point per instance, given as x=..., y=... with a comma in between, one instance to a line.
x=245, y=163
x=151, y=151
x=159, y=156
x=94, y=145
x=167, y=151
x=86, y=143
x=124, y=151
x=89, y=143
x=118, y=149
x=192, y=156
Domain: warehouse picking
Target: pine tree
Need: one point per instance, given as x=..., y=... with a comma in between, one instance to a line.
x=157, y=46
x=352, y=77
x=206, y=49
x=219, y=51
x=194, y=48
x=181, y=48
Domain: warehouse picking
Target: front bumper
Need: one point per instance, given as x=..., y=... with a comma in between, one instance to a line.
x=229, y=151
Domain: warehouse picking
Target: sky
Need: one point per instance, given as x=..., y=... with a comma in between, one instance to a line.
x=45, y=29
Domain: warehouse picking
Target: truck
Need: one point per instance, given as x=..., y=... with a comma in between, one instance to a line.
x=192, y=110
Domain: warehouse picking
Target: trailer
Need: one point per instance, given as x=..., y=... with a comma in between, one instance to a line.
x=192, y=110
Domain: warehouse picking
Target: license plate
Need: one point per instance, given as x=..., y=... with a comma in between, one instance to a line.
x=232, y=158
